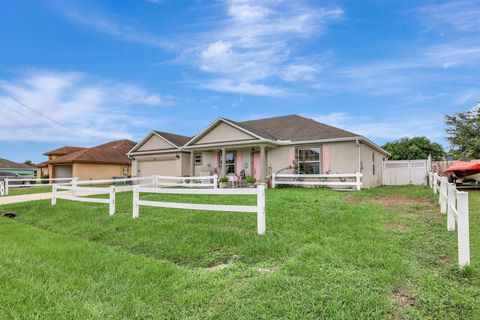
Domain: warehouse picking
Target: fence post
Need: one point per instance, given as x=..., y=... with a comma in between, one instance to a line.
x=435, y=183
x=451, y=205
x=261, y=209
x=463, y=230
x=215, y=181
x=111, y=203
x=6, y=186
x=430, y=180
x=54, y=194
x=74, y=185
x=443, y=194
x=2, y=188
x=135, y=202
x=358, y=180
x=273, y=180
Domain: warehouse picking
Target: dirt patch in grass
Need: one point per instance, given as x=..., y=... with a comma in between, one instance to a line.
x=396, y=226
x=446, y=260
x=395, y=201
x=403, y=298
x=224, y=264
x=352, y=199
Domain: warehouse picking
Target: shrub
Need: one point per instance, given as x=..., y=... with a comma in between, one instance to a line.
x=250, y=179
x=223, y=179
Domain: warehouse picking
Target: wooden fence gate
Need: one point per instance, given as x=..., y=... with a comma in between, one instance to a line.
x=403, y=172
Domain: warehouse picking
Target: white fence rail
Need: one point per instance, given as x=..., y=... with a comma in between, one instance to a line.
x=455, y=204
x=404, y=172
x=259, y=208
x=353, y=180
x=34, y=183
x=188, y=182
x=75, y=192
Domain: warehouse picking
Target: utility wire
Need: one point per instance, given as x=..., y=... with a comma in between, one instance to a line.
x=45, y=116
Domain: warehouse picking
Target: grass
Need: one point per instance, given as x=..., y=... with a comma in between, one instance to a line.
x=28, y=190
x=382, y=254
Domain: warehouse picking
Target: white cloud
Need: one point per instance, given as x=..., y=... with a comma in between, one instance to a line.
x=255, y=43
x=226, y=85
x=386, y=129
x=70, y=107
x=463, y=15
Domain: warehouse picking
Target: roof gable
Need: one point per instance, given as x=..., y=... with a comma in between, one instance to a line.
x=223, y=130
x=158, y=140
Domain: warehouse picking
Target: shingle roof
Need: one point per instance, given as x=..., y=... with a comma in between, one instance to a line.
x=7, y=164
x=63, y=151
x=176, y=139
x=294, y=128
x=114, y=152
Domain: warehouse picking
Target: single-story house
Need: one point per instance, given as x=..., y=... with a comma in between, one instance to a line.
x=287, y=144
x=18, y=168
x=43, y=169
x=104, y=161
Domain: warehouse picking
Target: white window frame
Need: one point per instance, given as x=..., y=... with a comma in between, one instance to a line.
x=319, y=161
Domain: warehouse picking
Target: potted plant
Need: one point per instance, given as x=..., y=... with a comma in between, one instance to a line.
x=250, y=180
x=223, y=182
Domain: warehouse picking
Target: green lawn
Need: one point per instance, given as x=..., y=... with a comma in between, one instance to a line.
x=380, y=254
x=28, y=190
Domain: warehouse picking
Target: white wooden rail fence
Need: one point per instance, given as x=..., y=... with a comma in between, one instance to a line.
x=455, y=204
x=328, y=180
x=75, y=191
x=34, y=183
x=259, y=208
x=189, y=182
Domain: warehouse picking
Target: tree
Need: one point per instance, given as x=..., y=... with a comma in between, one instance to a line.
x=29, y=162
x=463, y=130
x=414, y=148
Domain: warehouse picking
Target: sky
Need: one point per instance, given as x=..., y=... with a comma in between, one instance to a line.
x=85, y=72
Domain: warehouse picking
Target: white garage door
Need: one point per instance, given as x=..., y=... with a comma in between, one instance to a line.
x=160, y=167
x=63, y=171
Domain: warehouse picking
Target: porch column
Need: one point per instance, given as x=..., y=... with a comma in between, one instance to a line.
x=192, y=164
x=263, y=164
x=223, y=162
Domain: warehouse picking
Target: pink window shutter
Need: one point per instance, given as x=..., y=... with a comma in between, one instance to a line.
x=215, y=160
x=291, y=156
x=326, y=158
x=239, y=162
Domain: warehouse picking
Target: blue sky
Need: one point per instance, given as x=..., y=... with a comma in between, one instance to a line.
x=102, y=70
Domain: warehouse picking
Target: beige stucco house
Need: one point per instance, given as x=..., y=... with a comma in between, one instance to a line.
x=104, y=161
x=259, y=148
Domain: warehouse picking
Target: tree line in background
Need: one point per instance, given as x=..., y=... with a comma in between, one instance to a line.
x=463, y=133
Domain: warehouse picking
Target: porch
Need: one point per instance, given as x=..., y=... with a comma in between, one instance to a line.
x=234, y=162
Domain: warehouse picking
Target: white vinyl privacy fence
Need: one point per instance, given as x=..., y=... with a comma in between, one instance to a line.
x=404, y=172
x=81, y=194
x=343, y=180
x=455, y=204
x=259, y=208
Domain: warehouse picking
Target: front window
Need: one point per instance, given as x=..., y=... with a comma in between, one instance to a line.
x=308, y=161
x=230, y=159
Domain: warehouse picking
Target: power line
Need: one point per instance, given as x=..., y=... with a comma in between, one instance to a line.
x=45, y=116
x=26, y=115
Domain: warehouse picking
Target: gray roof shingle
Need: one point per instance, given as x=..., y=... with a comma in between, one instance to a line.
x=294, y=128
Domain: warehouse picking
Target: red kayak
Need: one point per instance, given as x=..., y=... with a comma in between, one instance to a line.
x=464, y=168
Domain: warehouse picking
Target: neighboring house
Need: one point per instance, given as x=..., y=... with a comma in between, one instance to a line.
x=259, y=148
x=104, y=161
x=18, y=168
x=43, y=169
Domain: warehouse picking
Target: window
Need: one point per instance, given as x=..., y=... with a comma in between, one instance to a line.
x=198, y=159
x=230, y=158
x=308, y=160
x=373, y=161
